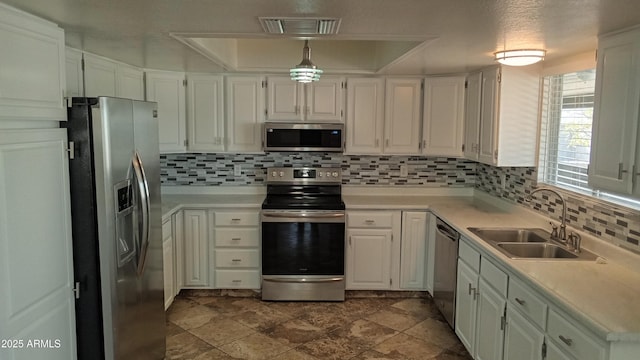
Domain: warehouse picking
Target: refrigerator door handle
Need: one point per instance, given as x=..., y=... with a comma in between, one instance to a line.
x=143, y=188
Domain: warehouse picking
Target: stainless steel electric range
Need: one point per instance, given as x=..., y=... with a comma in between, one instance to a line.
x=303, y=231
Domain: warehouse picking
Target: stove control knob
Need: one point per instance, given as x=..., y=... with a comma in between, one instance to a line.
x=274, y=174
x=281, y=173
x=335, y=174
x=320, y=174
x=328, y=174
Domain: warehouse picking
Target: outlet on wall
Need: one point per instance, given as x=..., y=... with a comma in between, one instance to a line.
x=404, y=171
x=237, y=170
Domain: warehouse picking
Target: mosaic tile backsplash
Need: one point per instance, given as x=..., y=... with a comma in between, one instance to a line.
x=615, y=224
x=218, y=169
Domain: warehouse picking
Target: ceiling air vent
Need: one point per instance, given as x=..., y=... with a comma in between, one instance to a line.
x=300, y=26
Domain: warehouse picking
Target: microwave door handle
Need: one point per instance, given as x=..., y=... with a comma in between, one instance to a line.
x=143, y=189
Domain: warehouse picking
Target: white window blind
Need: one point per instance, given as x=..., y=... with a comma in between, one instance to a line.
x=566, y=129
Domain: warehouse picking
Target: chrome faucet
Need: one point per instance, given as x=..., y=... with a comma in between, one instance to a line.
x=562, y=234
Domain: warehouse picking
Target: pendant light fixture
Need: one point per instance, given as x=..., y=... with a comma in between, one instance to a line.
x=519, y=57
x=306, y=71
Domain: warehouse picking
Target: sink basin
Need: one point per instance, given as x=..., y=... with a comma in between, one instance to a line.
x=539, y=250
x=512, y=235
x=528, y=243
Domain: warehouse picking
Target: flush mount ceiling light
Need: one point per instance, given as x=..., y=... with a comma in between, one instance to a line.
x=306, y=71
x=519, y=57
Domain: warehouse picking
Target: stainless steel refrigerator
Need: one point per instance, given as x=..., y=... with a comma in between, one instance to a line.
x=117, y=240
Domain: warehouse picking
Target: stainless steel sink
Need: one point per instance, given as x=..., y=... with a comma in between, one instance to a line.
x=539, y=250
x=529, y=243
x=526, y=235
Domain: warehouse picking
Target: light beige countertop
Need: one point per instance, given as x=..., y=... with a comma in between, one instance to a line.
x=193, y=197
x=602, y=297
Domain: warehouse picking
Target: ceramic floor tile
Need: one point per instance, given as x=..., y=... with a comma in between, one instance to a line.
x=365, y=332
x=260, y=317
x=193, y=316
x=254, y=347
x=214, y=354
x=185, y=346
x=419, y=306
x=395, y=318
x=434, y=331
x=374, y=355
x=409, y=347
x=221, y=331
x=294, y=354
x=173, y=329
x=329, y=319
x=294, y=332
x=331, y=347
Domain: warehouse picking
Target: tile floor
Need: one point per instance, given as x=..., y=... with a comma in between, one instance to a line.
x=223, y=327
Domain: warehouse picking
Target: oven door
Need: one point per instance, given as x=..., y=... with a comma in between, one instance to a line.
x=303, y=243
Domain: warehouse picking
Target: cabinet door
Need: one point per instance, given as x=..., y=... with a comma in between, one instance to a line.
x=99, y=76
x=488, y=152
x=472, y=116
x=75, y=77
x=130, y=82
x=365, y=116
x=466, y=305
x=522, y=340
x=178, y=250
x=442, y=128
x=489, y=323
x=196, y=245
x=167, y=260
x=615, y=120
x=284, y=98
x=431, y=251
x=245, y=113
x=205, y=118
x=413, y=255
x=324, y=100
x=37, y=299
x=369, y=259
x=32, y=76
x=402, y=116
x=167, y=89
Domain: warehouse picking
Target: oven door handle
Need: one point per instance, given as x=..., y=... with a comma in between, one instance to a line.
x=301, y=217
x=304, y=280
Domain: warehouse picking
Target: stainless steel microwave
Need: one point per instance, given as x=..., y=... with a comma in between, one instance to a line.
x=303, y=137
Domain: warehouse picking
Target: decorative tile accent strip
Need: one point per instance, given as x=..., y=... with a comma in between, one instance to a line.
x=218, y=169
x=610, y=222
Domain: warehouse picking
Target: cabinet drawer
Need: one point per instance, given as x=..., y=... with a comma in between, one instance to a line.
x=370, y=219
x=494, y=276
x=167, y=231
x=237, y=237
x=232, y=258
x=573, y=340
x=527, y=302
x=237, y=279
x=469, y=255
x=245, y=218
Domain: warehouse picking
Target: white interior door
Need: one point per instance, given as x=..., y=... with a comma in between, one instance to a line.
x=36, y=301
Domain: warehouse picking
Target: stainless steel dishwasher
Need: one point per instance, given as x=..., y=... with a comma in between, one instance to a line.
x=445, y=267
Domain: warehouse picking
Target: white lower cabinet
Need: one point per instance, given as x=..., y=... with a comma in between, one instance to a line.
x=522, y=340
x=480, y=304
x=168, y=263
x=196, y=249
x=386, y=250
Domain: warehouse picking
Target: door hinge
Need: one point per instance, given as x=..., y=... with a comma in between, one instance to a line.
x=82, y=64
x=264, y=84
x=344, y=85
x=462, y=147
x=466, y=84
x=71, y=150
x=503, y=322
x=499, y=77
x=266, y=112
x=76, y=290
x=390, y=282
x=495, y=154
x=184, y=82
x=544, y=349
x=341, y=113
x=186, y=142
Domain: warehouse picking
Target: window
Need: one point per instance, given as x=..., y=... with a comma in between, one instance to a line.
x=566, y=129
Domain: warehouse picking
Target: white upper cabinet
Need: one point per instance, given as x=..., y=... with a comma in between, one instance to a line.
x=365, y=115
x=442, y=129
x=245, y=112
x=473, y=98
x=205, y=113
x=615, y=151
x=32, y=67
x=129, y=82
x=508, y=116
x=74, y=75
x=99, y=76
x=167, y=89
x=288, y=100
x=402, y=116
